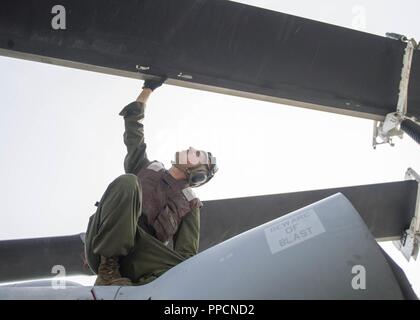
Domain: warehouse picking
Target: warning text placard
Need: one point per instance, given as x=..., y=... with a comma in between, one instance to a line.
x=291, y=231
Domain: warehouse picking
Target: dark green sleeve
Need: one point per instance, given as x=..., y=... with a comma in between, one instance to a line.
x=187, y=238
x=136, y=157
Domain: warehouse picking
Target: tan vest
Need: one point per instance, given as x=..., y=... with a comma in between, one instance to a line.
x=165, y=201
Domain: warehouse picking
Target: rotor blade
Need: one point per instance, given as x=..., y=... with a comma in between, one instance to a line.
x=39, y=258
x=386, y=208
x=220, y=46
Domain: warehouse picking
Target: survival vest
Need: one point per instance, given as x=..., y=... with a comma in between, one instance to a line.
x=165, y=201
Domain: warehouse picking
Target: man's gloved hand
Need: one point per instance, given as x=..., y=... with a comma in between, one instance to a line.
x=153, y=84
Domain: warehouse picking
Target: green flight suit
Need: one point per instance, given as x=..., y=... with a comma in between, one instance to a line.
x=114, y=229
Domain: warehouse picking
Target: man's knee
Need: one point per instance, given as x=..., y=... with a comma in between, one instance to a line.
x=126, y=182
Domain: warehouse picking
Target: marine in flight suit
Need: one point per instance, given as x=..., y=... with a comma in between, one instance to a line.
x=148, y=219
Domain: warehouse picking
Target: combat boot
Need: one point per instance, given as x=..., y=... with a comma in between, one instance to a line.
x=109, y=273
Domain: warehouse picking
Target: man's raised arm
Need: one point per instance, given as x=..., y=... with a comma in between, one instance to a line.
x=133, y=114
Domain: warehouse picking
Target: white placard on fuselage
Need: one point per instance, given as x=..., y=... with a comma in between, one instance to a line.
x=293, y=230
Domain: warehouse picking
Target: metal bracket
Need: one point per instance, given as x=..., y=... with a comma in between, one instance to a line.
x=410, y=240
x=387, y=129
x=390, y=127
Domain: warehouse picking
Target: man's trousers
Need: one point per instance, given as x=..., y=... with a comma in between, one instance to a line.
x=114, y=231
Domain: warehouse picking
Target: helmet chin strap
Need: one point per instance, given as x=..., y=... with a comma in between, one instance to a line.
x=181, y=168
x=187, y=171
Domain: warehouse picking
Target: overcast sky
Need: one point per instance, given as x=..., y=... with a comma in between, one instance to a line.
x=61, y=136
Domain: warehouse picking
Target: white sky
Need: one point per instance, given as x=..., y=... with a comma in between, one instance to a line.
x=61, y=136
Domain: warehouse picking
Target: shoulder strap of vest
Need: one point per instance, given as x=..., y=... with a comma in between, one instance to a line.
x=156, y=166
x=190, y=195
